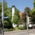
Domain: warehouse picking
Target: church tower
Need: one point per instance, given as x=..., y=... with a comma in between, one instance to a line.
x=13, y=11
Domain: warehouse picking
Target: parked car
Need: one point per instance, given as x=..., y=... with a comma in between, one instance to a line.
x=30, y=26
x=34, y=26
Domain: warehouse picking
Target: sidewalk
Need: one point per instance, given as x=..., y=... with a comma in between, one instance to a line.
x=31, y=34
x=20, y=32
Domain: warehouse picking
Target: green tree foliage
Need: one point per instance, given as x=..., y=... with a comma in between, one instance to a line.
x=15, y=19
x=6, y=24
x=27, y=10
x=7, y=12
x=16, y=12
x=32, y=12
x=0, y=8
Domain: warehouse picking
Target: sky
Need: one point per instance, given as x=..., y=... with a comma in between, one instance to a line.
x=20, y=4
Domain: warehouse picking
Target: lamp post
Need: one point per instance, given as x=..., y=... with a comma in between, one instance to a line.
x=2, y=17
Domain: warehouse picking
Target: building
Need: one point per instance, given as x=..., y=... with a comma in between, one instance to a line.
x=20, y=13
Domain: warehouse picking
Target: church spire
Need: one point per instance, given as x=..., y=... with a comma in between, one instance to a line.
x=34, y=3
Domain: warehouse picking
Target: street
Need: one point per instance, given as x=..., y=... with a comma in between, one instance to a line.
x=20, y=32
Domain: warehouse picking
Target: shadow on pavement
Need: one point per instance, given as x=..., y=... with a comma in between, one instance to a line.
x=0, y=31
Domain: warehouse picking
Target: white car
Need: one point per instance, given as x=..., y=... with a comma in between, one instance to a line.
x=30, y=26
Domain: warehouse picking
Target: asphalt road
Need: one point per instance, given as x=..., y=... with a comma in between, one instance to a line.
x=20, y=32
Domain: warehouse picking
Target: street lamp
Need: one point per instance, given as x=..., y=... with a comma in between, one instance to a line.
x=2, y=17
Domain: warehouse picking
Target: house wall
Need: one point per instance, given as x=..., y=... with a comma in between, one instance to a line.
x=21, y=15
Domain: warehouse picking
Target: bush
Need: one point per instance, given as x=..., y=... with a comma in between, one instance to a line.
x=22, y=28
x=10, y=29
x=0, y=28
x=16, y=28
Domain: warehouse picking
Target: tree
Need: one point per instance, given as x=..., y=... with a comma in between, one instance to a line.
x=26, y=12
x=16, y=12
x=0, y=8
x=10, y=13
x=15, y=19
x=7, y=12
x=32, y=12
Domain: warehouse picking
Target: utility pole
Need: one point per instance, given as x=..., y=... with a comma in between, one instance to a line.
x=27, y=21
x=27, y=24
x=2, y=17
